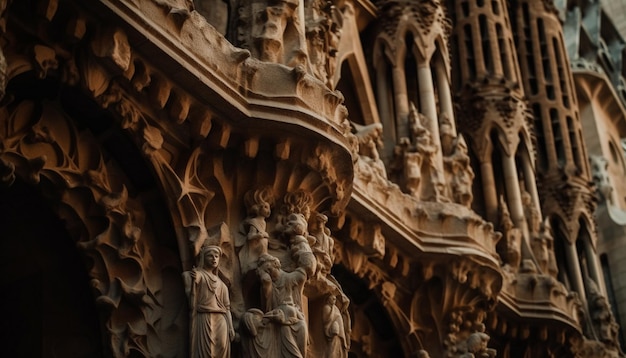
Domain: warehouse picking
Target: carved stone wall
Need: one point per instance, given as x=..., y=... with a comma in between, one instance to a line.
x=226, y=203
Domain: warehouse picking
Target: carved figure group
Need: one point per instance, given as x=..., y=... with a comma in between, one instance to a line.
x=334, y=329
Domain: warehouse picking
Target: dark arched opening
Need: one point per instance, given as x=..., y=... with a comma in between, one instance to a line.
x=373, y=333
x=46, y=305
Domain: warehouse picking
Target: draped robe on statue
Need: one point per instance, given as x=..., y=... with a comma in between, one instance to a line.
x=209, y=334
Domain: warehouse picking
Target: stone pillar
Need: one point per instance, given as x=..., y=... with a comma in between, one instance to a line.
x=531, y=184
x=384, y=108
x=573, y=267
x=489, y=190
x=443, y=90
x=428, y=107
x=401, y=101
x=513, y=193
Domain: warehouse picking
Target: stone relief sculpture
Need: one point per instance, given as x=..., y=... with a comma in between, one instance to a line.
x=418, y=155
x=253, y=239
x=334, y=329
x=531, y=213
x=540, y=252
x=280, y=330
x=512, y=239
x=545, y=234
x=323, y=245
x=604, y=323
x=323, y=31
x=278, y=327
x=277, y=31
x=600, y=175
x=461, y=173
x=477, y=346
x=369, y=140
x=211, y=326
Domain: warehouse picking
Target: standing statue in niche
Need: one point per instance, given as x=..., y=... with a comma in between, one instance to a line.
x=513, y=239
x=540, y=251
x=426, y=151
x=531, y=213
x=462, y=173
x=412, y=170
x=323, y=245
x=337, y=345
x=253, y=239
x=211, y=325
x=546, y=235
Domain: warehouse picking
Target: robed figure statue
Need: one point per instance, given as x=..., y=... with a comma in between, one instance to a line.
x=211, y=325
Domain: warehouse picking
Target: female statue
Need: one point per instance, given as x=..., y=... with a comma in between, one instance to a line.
x=211, y=325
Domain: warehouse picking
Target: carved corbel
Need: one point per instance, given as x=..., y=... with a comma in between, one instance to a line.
x=369, y=237
x=112, y=45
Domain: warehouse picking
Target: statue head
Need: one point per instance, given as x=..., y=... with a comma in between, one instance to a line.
x=209, y=256
x=270, y=264
x=296, y=225
x=258, y=202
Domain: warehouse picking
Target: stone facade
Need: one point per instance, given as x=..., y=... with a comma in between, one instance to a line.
x=288, y=178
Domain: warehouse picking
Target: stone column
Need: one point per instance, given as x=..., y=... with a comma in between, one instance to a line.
x=513, y=194
x=573, y=267
x=384, y=108
x=531, y=184
x=489, y=190
x=401, y=100
x=443, y=89
x=428, y=107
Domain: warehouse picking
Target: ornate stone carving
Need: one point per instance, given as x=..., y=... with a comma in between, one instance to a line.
x=369, y=141
x=428, y=16
x=44, y=148
x=324, y=21
x=532, y=215
x=415, y=158
x=253, y=236
x=512, y=252
x=210, y=322
x=334, y=330
x=601, y=178
x=280, y=329
x=460, y=172
x=274, y=31
x=605, y=327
